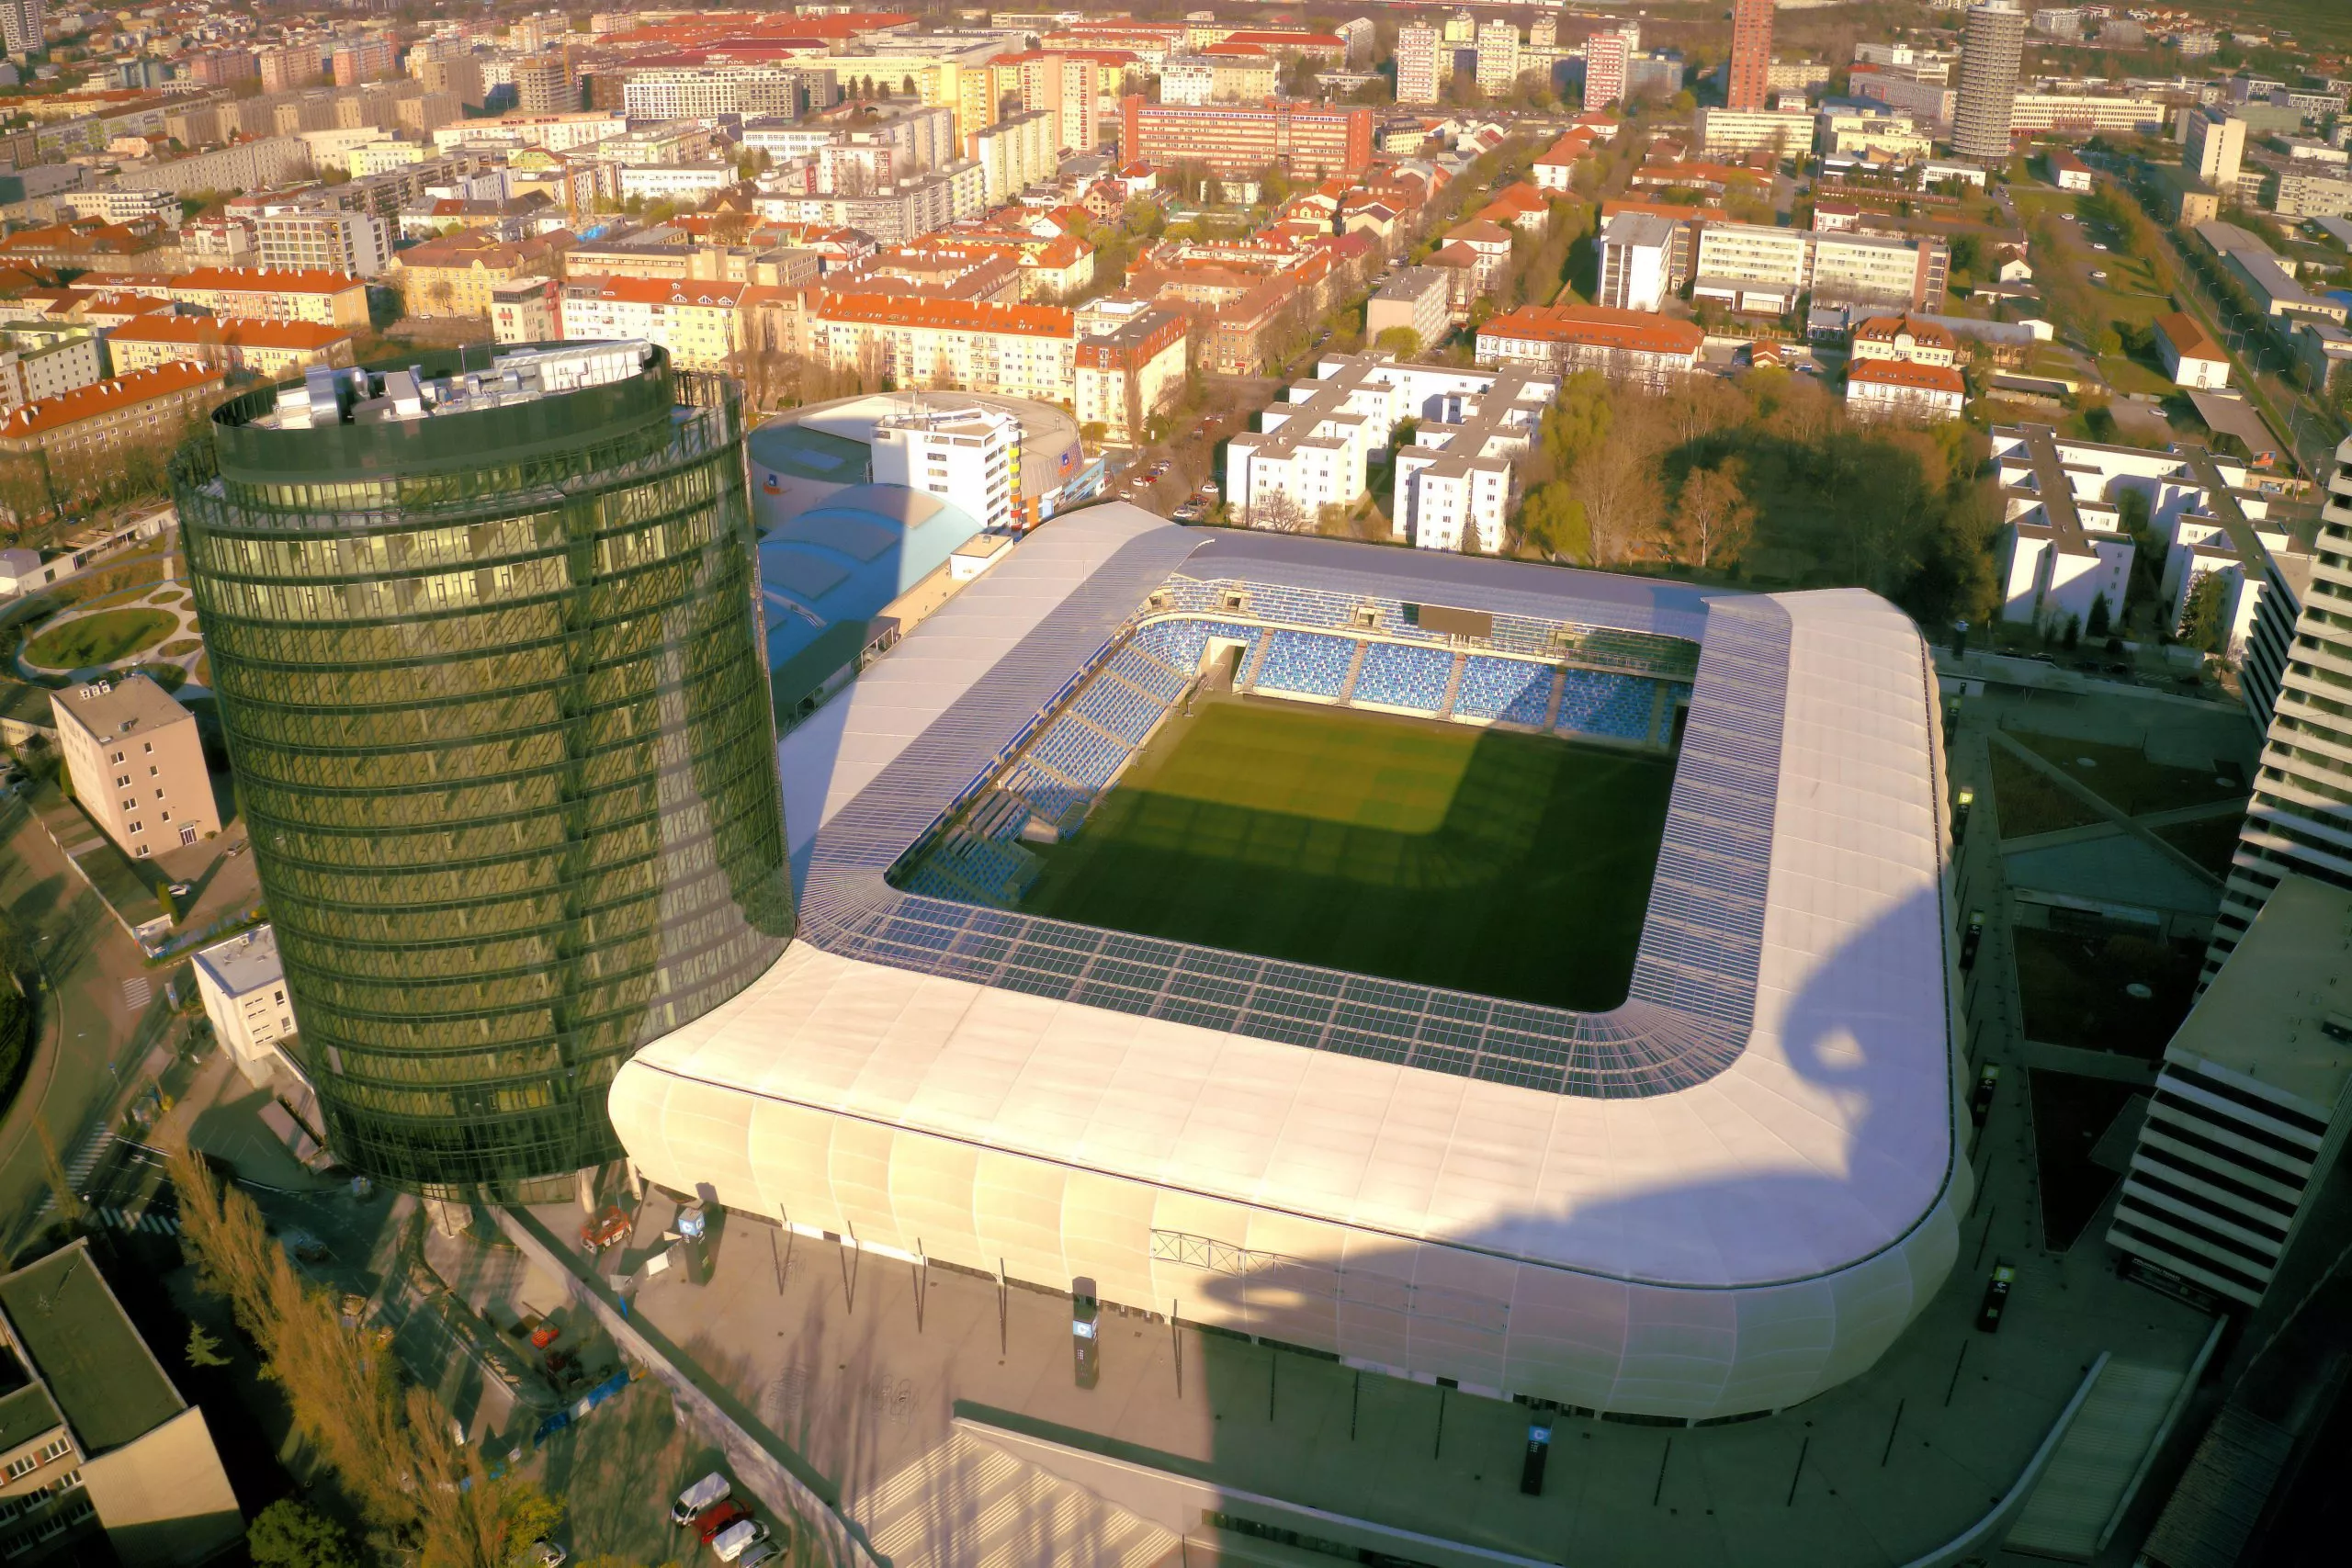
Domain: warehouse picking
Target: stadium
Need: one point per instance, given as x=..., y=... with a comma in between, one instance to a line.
x=1529, y=978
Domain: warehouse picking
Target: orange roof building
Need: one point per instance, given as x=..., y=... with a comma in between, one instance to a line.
x=150, y=406
x=1627, y=345
x=1902, y=388
x=230, y=342
x=276, y=294
x=1025, y=351
x=1908, y=338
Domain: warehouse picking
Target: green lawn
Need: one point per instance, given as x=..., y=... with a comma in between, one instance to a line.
x=1509, y=864
x=2030, y=803
x=101, y=639
x=2127, y=780
x=2075, y=988
x=2124, y=375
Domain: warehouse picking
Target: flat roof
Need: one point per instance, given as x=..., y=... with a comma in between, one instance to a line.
x=244, y=964
x=81, y=1342
x=1772, y=1103
x=115, y=710
x=2266, y=1013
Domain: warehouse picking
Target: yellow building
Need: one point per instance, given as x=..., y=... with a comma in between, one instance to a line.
x=455, y=277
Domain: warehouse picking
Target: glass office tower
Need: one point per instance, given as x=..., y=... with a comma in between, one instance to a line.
x=487, y=660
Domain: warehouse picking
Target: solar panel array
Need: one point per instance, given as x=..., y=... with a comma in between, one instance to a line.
x=1689, y=1009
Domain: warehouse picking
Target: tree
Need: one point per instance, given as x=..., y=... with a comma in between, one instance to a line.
x=1279, y=512
x=2201, y=617
x=1712, y=518
x=291, y=1534
x=2100, y=616
x=1552, y=522
x=203, y=1349
x=1402, y=342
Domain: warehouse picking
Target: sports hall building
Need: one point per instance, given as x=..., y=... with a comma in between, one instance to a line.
x=1714, y=1200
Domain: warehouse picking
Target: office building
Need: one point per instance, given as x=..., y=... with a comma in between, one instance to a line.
x=547, y=83
x=1609, y=66
x=2213, y=151
x=509, y=781
x=2250, y=1107
x=355, y=243
x=967, y=453
x=1420, y=64
x=1989, y=52
x=1747, y=76
x=93, y=1439
x=137, y=764
x=1308, y=139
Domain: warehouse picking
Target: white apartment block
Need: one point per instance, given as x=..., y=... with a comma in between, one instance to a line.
x=1014, y=153
x=1190, y=79
x=1497, y=56
x=2064, y=548
x=1755, y=267
x=1460, y=478
x=699, y=322
x=1022, y=351
x=1416, y=300
x=967, y=455
x=676, y=182
x=1421, y=65
x=1636, y=254
x=242, y=985
x=354, y=242
x=702, y=92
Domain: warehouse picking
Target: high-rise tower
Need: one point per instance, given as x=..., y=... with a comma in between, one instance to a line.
x=1749, y=77
x=489, y=671
x=1989, y=52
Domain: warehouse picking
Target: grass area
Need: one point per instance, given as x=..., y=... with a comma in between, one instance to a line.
x=2075, y=988
x=1512, y=865
x=167, y=597
x=2125, y=779
x=180, y=645
x=2069, y=1112
x=2209, y=841
x=2029, y=803
x=2126, y=375
x=100, y=639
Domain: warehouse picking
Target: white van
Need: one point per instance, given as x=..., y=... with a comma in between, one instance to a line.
x=711, y=1488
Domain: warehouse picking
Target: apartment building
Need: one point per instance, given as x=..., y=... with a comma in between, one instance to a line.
x=1014, y=153
x=1609, y=66
x=1459, y=480
x=1779, y=132
x=1498, y=55
x=965, y=454
x=358, y=244
x=1636, y=255
x=136, y=763
x=1415, y=299
x=455, y=277
x=331, y=299
x=1129, y=365
x=527, y=309
x=1026, y=350
x=48, y=364
x=1628, y=346
x=1908, y=339
x=1311, y=140
x=700, y=92
x=2250, y=1107
x=269, y=349
x=2062, y=551
x=1423, y=64
x=1752, y=267
x=1904, y=389
x=2190, y=357
x=150, y=407
x=697, y=320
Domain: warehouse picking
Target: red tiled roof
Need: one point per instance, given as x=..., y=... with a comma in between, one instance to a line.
x=238, y=332
x=2187, y=339
x=105, y=397
x=970, y=315
x=1884, y=329
x=657, y=291
x=1906, y=372
x=269, y=280
x=1636, y=330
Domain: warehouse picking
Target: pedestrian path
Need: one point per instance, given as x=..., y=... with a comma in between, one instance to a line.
x=78, y=1168
x=136, y=993
x=150, y=1222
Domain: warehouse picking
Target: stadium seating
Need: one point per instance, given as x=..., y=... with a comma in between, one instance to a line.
x=1616, y=706
x=1140, y=668
x=1128, y=712
x=1083, y=755
x=1403, y=676
x=1306, y=662
x=1511, y=690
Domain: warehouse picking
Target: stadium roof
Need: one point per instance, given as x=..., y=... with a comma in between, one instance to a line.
x=1773, y=1102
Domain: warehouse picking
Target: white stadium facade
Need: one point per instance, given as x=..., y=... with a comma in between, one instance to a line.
x=1716, y=1199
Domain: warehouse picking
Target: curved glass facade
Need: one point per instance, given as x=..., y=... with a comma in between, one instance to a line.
x=492, y=685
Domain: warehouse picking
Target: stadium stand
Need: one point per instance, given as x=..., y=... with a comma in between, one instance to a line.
x=1402, y=676
x=1127, y=711
x=1510, y=691
x=1614, y=707
x=1307, y=663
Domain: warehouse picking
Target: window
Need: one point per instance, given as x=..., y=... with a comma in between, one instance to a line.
x=149, y=747
x=135, y=827
x=153, y=770
x=118, y=756
x=123, y=782
x=159, y=794
x=57, y=1449
x=187, y=833
x=22, y=1465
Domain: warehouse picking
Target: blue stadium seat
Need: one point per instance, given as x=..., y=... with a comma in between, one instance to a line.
x=1616, y=706
x=1404, y=675
x=1512, y=689
x=1306, y=662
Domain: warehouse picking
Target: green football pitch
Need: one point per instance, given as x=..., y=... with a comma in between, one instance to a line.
x=1508, y=864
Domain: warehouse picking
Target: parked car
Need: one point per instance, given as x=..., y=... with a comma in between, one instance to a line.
x=766, y=1551
x=717, y=1517
x=736, y=1538
x=545, y=1554
x=1189, y=513
x=690, y=1503
x=605, y=1228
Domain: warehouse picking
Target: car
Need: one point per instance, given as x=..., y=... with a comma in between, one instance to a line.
x=738, y=1538
x=2096, y=246
x=545, y=1553
x=1996, y=1300
x=690, y=1503
x=2098, y=276
x=1188, y=513
x=605, y=1228
x=762, y=1554
x=718, y=1516
x=305, y=1248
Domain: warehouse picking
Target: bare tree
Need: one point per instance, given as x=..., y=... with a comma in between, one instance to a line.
x=1712, y=516
x=1279, y=512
